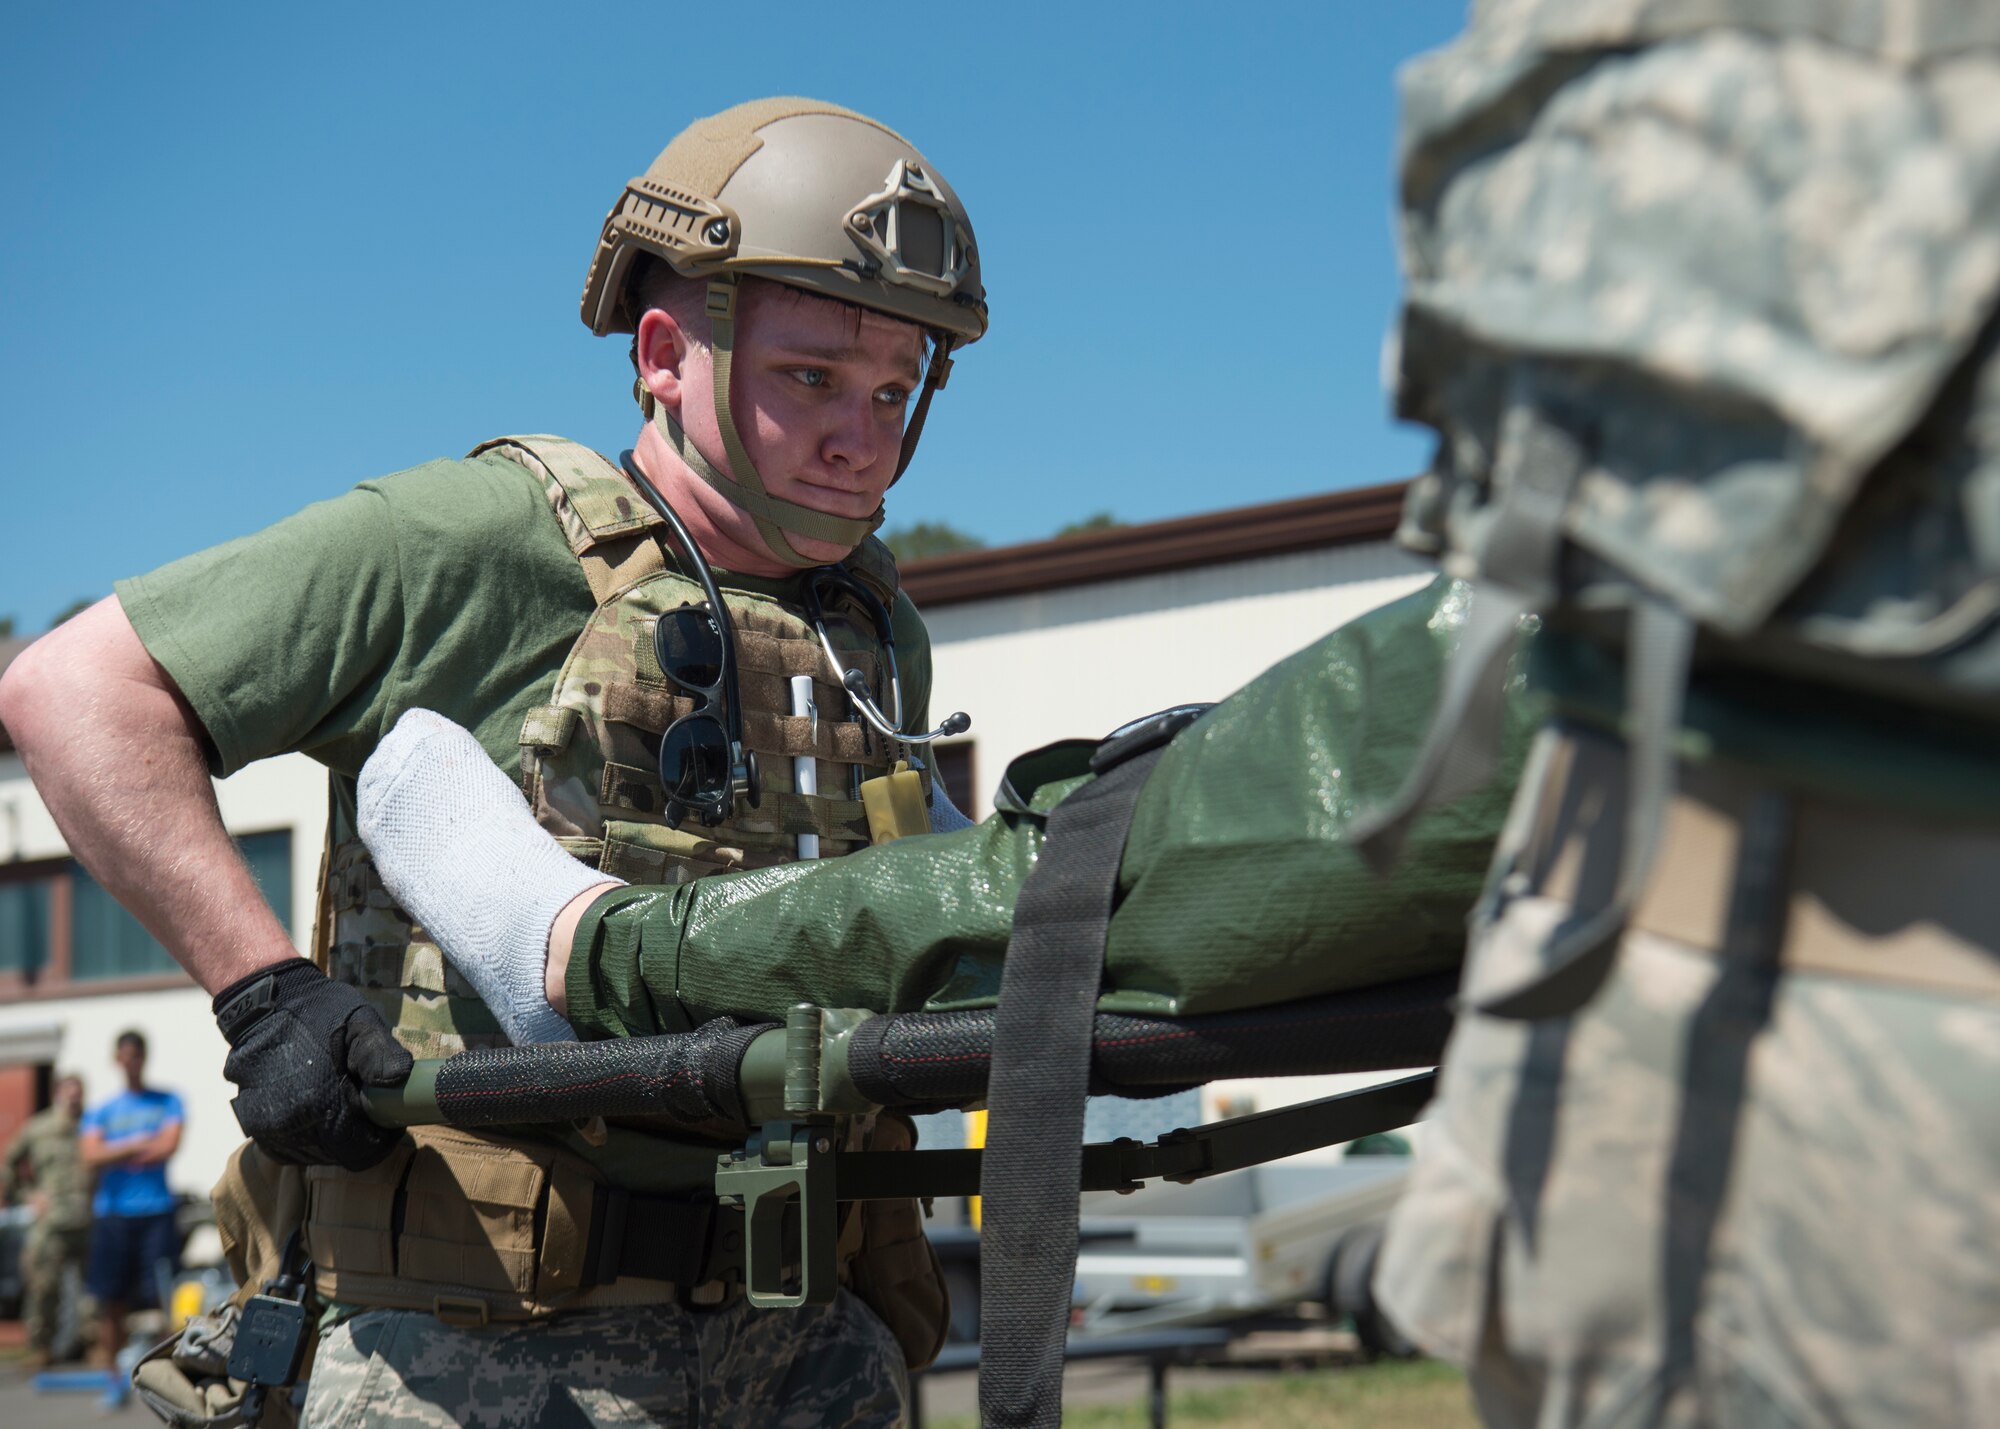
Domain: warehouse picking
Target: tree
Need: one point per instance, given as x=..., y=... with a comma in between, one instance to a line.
x=6, y=626
x=929, y=538
x=1098, y=521
x=75, y=607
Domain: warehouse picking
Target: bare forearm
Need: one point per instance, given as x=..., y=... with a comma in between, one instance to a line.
x=94, y=1152
x=156, y=1148
x=117, y=757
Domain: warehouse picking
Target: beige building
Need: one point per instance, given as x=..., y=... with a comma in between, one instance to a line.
x=76, y=969
x=1037, y=642
x=1073, y=637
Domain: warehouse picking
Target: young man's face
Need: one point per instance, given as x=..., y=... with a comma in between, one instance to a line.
x=820, y=393
x=131, y=1059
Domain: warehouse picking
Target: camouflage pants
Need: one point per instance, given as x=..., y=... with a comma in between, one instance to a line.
x=1726, y=1192
x=649, y=1365
x=46, y=1256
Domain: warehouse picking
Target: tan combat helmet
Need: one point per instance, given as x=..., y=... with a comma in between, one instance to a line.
x=814, y=196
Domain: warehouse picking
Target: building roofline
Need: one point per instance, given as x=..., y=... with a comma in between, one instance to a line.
x=10, y=646
x=1334, y=518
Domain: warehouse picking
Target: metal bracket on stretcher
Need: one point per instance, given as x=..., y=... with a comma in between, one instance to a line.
x=791, y=1180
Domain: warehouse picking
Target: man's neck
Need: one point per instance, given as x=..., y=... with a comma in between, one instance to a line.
x=726, y=537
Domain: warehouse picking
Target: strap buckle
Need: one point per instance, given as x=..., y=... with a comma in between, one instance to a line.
x=461, y=1312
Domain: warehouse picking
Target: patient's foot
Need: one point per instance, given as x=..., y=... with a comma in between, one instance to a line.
x=456, y=845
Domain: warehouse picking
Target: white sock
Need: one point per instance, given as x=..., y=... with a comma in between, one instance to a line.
x=459, y=850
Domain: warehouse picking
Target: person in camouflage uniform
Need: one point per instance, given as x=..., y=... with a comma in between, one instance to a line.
x=653, y=1364
x=41, y=1165
x=1704, y=303
x=794, y=278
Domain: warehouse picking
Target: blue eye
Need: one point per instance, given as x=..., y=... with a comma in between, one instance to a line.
x=810, y=376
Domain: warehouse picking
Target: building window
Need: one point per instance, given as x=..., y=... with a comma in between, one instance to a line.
x=108, y=941
x=270, y=860
x=58, y=925
x=955, y=768
x=24, y=927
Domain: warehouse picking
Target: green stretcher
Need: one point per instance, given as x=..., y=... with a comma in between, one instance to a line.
x=1249, y=938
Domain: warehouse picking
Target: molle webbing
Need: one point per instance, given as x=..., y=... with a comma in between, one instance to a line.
x=589, y=757
x=373, y=945
x=609, y=527
x=475, y=1229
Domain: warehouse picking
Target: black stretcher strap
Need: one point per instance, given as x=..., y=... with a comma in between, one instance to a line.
x=689, y=1242
x=1040, y=1078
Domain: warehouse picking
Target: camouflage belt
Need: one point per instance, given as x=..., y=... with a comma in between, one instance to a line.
x=1868, y=894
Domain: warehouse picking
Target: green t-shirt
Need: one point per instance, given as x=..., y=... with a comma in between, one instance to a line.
x=447, y=587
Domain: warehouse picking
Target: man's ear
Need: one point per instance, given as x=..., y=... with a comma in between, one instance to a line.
x=662, y=351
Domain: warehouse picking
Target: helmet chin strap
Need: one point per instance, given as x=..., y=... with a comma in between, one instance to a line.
x=935, y=376
x=774, y=515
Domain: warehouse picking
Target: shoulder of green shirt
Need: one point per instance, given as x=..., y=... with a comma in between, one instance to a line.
x=345, y=561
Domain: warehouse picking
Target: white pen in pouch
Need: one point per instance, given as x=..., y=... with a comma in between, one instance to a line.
x=805, y=767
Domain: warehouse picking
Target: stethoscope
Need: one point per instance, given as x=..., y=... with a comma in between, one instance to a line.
x=844, y=582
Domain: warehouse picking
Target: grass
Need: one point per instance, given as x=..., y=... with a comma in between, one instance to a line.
x=1417, y=1394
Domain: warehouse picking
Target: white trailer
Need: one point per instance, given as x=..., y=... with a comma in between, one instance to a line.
x=1250, y=1244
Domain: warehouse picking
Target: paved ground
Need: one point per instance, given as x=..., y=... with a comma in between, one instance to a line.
x=1105, y=1382
x=21, y=1406
x=1120, y=1381
x=1102, y=1382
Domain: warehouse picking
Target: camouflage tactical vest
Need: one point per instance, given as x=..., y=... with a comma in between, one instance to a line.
x=589, y=754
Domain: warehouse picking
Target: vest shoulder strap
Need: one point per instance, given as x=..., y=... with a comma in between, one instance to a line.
x=875, y=565
x=607, y=524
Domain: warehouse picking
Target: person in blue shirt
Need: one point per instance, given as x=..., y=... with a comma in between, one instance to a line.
x=127, y=1141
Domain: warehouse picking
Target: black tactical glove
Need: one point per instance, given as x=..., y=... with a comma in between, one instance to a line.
x=301, y=1048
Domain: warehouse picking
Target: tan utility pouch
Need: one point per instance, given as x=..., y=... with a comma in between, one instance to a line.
x=896, y=1272
x=472, y=1228
x=258, y=1205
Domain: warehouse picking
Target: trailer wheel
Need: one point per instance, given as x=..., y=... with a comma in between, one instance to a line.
x=1350, y=1291
x=961, y=1280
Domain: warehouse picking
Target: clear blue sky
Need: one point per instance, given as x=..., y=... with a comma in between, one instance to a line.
x=250, y=255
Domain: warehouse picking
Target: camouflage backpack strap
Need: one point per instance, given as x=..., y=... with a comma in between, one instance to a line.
x=609, y=526
x=1537, y=469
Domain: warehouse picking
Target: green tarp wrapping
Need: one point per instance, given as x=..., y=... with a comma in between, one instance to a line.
x=1238, y=885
